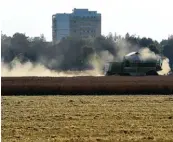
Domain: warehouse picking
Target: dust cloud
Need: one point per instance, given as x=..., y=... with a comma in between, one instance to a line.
x=123, y=47
x=29, y=69
x=97, y=61
x=147, y=54
x=165, y=67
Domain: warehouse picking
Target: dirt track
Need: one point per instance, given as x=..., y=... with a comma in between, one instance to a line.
x=86, y=85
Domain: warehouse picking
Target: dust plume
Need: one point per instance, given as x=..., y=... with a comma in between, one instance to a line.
x=165, y=67
x=29, y=69
x=99, y=61
x=56, y=59
x=123, y=47
x=147, y=54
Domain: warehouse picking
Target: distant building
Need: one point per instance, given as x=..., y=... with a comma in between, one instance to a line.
x=80, y=23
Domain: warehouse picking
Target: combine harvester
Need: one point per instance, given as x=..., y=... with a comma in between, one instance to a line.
x=134, y=64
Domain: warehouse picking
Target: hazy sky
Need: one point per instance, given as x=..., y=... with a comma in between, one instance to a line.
x=150, y=18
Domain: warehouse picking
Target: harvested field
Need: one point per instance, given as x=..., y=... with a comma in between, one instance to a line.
x=87, y=85
x=87, y=118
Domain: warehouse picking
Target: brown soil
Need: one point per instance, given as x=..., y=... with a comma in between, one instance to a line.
x=86, y=85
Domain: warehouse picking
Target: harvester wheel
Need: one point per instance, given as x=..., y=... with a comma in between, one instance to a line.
x=124, y=74
x=108, y=74
x=153, y=73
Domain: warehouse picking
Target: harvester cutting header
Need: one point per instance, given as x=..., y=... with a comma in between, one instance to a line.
x=135, y=64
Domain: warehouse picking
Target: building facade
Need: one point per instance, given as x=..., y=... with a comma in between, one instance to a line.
x=80, y=23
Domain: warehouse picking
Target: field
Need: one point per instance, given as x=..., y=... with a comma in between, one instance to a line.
x=87, y=118
x=87, y=85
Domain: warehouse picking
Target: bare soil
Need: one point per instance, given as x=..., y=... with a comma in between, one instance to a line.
x=87, y=85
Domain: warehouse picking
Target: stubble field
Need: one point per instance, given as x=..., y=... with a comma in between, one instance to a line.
x=87, y=118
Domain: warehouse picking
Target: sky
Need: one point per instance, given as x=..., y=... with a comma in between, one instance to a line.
x=149, y=18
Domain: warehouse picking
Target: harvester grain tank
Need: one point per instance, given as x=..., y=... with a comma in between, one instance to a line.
x=133, y=64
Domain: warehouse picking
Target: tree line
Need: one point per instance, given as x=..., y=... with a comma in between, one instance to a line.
x=75, y=53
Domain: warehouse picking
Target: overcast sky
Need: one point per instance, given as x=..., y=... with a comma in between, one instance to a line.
x=150, y=18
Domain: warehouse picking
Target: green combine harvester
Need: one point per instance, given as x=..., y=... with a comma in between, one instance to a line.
x=134, y=65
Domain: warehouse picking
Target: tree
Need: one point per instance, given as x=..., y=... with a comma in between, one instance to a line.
x=168, y=49
x=74, y=53
x=154, y=49
x=145, y=42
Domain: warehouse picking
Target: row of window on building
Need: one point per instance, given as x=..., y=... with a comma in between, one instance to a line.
x=85, y=35
x=83, y=17
x=86, y=31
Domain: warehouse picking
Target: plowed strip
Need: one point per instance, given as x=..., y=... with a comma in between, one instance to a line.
x=86, y=85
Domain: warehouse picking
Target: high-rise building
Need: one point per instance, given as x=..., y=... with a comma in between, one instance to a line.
x=80, y=23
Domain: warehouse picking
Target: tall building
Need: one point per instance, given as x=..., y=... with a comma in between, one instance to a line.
x=80, y=23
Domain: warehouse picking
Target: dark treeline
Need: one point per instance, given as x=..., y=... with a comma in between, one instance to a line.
x=71, y=53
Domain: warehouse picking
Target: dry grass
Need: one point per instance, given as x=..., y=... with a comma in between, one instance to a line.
x=87, y=118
